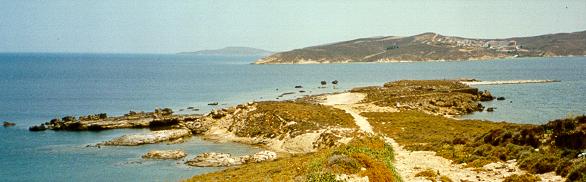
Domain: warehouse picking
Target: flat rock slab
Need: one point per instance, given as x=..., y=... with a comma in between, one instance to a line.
x=165, y=154
x=148, y=138
x=214, y=159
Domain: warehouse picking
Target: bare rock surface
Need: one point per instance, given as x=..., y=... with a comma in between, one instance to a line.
x=165, y=154
x=148, y=138
x=214, y=159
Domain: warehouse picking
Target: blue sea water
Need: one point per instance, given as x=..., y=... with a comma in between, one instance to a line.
x=37, y=87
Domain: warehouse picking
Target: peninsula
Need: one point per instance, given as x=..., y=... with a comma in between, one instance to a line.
x=433, y=47
x=401, y=131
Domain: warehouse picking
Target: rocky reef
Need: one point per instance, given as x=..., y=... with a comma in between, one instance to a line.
x=213, y=159
x=165, y=154
x=158, y=118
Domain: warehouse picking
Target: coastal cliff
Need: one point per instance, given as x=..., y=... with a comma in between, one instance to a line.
x=433, y=47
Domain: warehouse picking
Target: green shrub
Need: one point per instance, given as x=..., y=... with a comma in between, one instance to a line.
x=539, y=163
x=578, y=172
x=522, y=178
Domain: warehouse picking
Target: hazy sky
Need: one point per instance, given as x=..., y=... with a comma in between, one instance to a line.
x=148, y=26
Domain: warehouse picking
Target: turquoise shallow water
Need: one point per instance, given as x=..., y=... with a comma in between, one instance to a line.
x=38, y=87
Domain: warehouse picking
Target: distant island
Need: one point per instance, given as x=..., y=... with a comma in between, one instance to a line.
x=433, y=47
x=232, y=51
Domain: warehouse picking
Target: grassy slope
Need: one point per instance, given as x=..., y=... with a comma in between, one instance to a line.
x=370, y=153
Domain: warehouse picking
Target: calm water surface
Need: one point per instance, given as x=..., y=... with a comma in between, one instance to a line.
x=37, y=87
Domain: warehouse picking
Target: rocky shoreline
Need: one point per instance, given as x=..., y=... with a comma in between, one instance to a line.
x=156, y=119
x=300, y=127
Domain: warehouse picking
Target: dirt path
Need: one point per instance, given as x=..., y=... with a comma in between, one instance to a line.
x=344, y=101
x=409, y=163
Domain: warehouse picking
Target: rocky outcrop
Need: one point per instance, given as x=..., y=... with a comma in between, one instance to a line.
x=148, y=138
x=485, y=96
x=8, y=124
x=213, y=159
x=41, y=127
x=289, y=126
x=164, y=154
x=439, y=97
x=157, y=119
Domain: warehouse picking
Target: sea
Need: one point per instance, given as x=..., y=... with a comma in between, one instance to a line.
x=36, y=87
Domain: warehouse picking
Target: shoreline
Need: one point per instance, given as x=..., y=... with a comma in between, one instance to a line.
x=295, y=136
x=310, y=62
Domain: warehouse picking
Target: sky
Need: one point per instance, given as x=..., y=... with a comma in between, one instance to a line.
x=170, y=26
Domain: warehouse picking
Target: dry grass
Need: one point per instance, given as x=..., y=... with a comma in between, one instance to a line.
x=429, y=174
x=445, y=179
x=292, y=168
x=271, y=119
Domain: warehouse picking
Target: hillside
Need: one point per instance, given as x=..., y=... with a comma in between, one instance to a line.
x=432, y=46
x=232, y=51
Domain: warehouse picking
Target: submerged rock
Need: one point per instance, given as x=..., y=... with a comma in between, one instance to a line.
x=490, y=109
x=500, y=98
x=214, y=159
x=8, y=124
x=164, y=154
x=148, y=138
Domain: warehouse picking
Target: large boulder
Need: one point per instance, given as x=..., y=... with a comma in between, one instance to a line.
x=41, y=127
x=164, y=154
x=148, y=138
x=485, y=96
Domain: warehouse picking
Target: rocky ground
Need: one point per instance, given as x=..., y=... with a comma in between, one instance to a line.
x=165, y=154
x=148, y=138
x=213, y=159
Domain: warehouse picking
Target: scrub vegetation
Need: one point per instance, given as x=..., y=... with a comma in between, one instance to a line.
x=554, y=146
x=363, y=156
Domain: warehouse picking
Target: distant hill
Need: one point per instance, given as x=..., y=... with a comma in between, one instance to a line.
x=232, y=51
x=432, y=46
